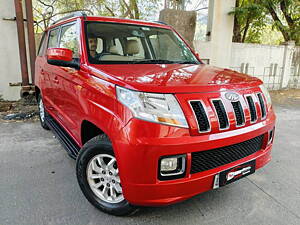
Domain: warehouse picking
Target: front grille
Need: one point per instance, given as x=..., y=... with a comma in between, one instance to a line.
x=253, y=115
x=202, y=112
x=210, y=159
x=222, y=115
x=201, y=116
x=262, y=105
x=239, y=113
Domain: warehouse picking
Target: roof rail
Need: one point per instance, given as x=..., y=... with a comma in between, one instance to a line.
x=71, y=15
x=161, y=22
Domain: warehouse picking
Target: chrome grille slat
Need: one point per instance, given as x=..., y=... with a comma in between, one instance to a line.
x=221, y=114
x=262, y=105
x=239, y=113
x=201, y=116
x=252, y=108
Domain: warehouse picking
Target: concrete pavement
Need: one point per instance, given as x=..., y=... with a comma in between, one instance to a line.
x=38, y=185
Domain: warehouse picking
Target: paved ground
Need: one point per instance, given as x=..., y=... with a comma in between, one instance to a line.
x=38, y=185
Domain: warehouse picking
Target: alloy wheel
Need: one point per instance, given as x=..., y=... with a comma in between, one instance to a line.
x=103, y=178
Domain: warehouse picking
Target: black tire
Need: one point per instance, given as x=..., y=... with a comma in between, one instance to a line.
x=99, y=145
x=43, y=122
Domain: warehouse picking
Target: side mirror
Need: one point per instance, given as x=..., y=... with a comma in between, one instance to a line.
x=61, y=57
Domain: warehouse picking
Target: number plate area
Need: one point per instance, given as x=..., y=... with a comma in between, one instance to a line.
x=233, y=174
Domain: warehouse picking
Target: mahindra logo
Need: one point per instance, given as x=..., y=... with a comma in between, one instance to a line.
x=232, y=96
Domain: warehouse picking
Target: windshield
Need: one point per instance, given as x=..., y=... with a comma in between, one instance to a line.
x=112, y=43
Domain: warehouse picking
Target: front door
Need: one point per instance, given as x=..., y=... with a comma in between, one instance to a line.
x=70, y=82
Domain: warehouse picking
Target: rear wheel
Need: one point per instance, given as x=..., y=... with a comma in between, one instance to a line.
x=42, y=113
x=98, y=177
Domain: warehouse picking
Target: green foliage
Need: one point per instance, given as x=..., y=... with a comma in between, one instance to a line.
x=271, y=36
x=47, y=11
x=249, y=11
x=252, y=17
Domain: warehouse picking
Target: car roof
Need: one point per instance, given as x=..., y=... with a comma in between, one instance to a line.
x=110, y=19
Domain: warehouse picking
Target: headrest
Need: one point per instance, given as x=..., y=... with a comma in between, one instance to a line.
x=132, y=47
x=113, y=49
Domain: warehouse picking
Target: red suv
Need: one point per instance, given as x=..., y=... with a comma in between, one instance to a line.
x=148, y=123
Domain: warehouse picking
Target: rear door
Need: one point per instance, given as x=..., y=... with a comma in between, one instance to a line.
x=51, y=84
x=41, y=78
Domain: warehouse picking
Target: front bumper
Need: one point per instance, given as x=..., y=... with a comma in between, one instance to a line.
x=165, y=193
x=141, y=144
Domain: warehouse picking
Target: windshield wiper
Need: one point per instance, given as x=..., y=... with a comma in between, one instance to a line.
x=186, y=62
x=161, y=61
x=154, y=61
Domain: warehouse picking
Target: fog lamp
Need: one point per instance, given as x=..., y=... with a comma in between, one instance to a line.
x=168, y=164
x=171, y=167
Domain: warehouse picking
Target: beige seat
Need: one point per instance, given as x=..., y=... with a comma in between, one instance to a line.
x=131, y=49
x=113, y=49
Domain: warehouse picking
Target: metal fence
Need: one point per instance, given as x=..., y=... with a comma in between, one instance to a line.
x=294, y=81
x=273, y=75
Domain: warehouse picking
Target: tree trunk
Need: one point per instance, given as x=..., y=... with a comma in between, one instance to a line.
x=109, y=10
x=278, y=22
x=246, y=30
x=128, y=10
x=237, y=37
x=287, y=17
x=135, y=9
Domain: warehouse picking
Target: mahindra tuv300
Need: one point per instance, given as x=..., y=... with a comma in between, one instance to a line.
x=148, y=123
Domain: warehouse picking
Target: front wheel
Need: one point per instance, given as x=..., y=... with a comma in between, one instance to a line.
x=98, y=177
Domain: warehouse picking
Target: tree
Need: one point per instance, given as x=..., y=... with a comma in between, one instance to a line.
x=248, y=16
x=47, y=11
x=286, y=17
x=252, y=16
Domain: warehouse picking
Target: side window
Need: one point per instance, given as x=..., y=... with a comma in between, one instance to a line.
x=53, y=38
x=69, y=39
x=42, y=44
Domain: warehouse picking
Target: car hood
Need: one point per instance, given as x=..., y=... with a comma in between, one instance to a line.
x=173, y=78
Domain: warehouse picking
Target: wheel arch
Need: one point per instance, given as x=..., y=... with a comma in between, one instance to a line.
x=37, y=92
x=89, y=130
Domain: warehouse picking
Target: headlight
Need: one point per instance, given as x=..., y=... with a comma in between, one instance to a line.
x=159, y=108
x=266, y=94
